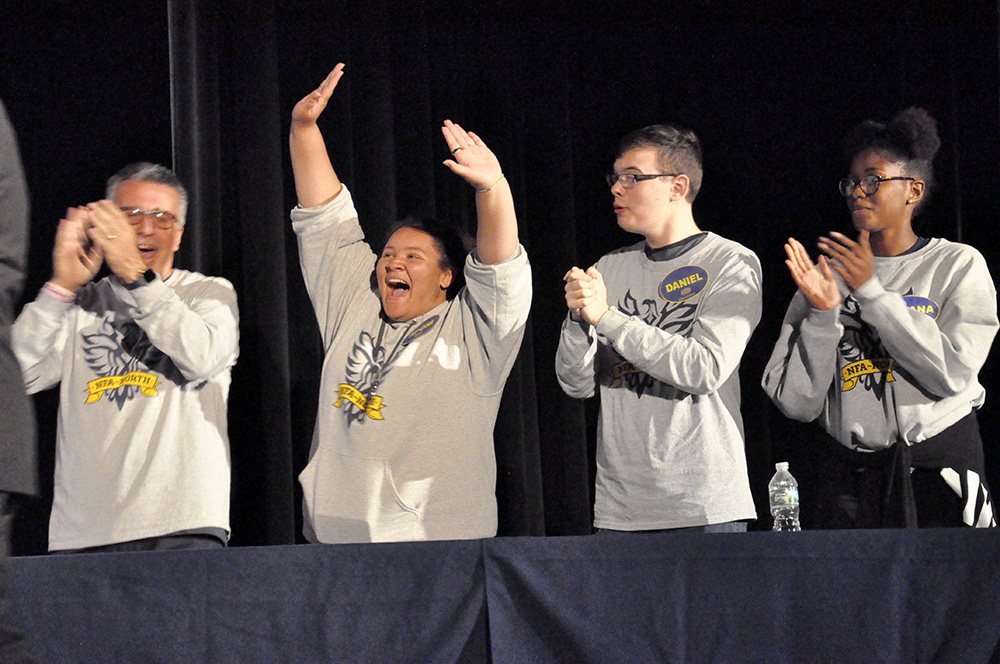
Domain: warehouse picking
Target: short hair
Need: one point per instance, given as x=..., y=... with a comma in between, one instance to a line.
x=678, y=148
x=453, y=244
x=910, y=138
x=144, y=171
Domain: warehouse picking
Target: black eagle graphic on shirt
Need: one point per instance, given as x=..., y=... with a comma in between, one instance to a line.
x=674, y=317
x=118, y=350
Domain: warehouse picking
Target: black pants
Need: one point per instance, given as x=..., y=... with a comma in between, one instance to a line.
x=900, y=487
x=163, y=543
x=12, y=644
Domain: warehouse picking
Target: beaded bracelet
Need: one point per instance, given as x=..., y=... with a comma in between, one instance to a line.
x=483, y=191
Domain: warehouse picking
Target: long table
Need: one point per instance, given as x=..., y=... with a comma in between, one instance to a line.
x=830, y=596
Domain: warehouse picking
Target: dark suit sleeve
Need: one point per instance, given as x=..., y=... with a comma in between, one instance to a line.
x=13, y=223
x=17, y=420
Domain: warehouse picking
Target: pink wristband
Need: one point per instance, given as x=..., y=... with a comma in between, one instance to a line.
x=59, y=292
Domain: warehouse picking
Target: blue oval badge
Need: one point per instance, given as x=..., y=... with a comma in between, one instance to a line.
x=922, y=304
x=683, y=283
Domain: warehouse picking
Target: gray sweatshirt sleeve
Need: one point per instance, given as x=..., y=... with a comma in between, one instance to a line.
x=702, y=360
x=943, y=356
x=804, y=361
x=498, y=298
x=200, y=335
x=38, y=338
x=336, y=262
x=575, y=359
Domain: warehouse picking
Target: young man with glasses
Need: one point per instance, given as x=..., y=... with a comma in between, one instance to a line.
x=882, y=346
x=142, y=358
x=659, y=328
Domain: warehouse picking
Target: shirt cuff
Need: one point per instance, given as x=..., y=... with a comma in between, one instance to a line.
x=335, y=204
x=612, y=324
x=869, y=290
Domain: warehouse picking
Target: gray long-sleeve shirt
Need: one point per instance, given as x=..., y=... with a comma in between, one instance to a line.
x=899, y=359
x=665, y=357
x=142, y=445
x=416, y=461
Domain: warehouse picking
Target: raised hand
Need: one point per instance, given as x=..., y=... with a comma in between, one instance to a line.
x=110, y=231
x=853, y=261
x=816, y=283
x=310, y=107
x=586, y=294
x=496, y=230
x=470, y=158
x=75, y=258
x=316, y=181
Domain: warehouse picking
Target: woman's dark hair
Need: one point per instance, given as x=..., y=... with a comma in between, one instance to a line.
x=454, y=245
x=910, y=138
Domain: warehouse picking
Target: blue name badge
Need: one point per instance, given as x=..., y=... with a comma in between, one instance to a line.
x=923, y=305
x=683, y=283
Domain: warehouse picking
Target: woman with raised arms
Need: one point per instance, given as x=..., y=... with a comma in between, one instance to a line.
x=419, y=340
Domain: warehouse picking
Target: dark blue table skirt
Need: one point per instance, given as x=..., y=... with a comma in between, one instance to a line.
x=834, y=596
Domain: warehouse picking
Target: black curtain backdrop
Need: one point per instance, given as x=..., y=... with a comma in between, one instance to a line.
x=208, y=87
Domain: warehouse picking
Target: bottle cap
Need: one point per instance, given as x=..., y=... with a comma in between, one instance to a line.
x=781, y=465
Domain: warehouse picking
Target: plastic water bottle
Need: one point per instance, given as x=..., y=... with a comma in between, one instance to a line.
x=783, y=491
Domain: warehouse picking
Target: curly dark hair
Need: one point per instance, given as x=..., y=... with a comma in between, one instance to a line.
x=454, y=245
x=910, y=138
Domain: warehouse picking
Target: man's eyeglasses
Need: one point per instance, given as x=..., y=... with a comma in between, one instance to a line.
x=629, y=179
x=162, y=220
x=869, y=184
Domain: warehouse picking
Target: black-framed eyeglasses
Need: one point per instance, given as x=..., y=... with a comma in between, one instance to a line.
x=869, y=184
x=629, y=179
x=162, y=220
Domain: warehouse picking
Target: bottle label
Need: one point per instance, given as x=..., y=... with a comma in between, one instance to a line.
x=786, y=496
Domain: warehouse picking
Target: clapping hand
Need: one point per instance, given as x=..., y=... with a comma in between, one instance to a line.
x=75, y=258
x=110, y=231
x=854, y=261
x=816, y=283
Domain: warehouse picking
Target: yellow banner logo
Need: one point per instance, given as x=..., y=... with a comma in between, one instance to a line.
x=372, y=408
x=621, y=370
x=145, y=382
x=855, y=370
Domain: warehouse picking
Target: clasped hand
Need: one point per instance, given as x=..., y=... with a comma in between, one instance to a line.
x=586, y=294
